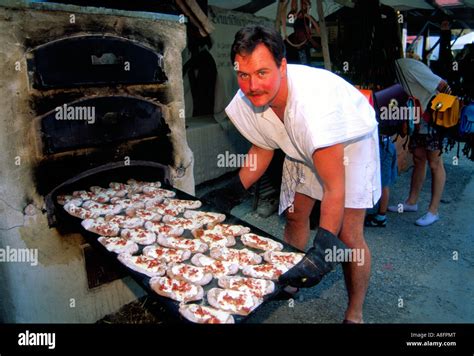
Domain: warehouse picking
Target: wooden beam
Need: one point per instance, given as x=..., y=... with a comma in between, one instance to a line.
x=254, y=6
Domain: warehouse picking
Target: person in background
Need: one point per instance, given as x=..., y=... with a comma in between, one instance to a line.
x=389, y=171
x=425, y=145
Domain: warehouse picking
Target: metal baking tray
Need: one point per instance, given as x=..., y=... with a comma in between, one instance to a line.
x=70, y=222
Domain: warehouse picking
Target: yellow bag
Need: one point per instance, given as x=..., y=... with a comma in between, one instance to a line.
x=445, y=110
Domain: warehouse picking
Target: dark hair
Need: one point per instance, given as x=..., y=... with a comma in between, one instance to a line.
x=249, y=37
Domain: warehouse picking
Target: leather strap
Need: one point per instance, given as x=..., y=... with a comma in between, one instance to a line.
x=295, y=13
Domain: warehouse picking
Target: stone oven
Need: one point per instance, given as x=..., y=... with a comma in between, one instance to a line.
x=81, y=89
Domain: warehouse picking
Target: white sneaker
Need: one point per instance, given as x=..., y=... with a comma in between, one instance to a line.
x=427, y=219
x=407, y=208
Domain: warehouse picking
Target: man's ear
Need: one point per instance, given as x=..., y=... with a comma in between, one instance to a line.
x=283, y=67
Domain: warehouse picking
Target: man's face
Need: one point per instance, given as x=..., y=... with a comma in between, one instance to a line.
x=258, y=75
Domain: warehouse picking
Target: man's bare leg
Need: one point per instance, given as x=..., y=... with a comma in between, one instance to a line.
x=356, y=276
x=297, y=221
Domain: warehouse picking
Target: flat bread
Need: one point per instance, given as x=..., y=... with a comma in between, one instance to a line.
x=135, y=186
x=118, y=245
x=164, y=229
x=79, y=212
x=101, y=198
x=289, y=259
x=144, y=214
x=176, y=289
x=216, y=267
x=125, y=222
x=155, y=191
x=111, y=193
x=193, y=245
x=83, y=194
x=258, y=287
x=117, y=189
x=166, y=255
x=242, y=257
x=189, y=273
x=118, y=186
x=139, y=235
x=183, y=203
x=127, y=203
x=214, y=239
x=143, y=198
x=261, y=243
x=101, y=227
x=97, y=190
x=102, y=209
x=227, y=229
x=204, y=217
x=138, y=185
x=265, y=271
x=143, y=264
x=201, y=314
x=185, y=223
x=232, y=301
x=63, y=199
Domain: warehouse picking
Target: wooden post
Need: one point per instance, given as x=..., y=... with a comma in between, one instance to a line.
x=425, y=44
x=404, y=38
x=324, y=35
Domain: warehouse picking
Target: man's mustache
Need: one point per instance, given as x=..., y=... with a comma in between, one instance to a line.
x=252, y=93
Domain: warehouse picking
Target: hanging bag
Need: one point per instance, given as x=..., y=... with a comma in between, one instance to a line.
x=415, y=111
x=387, y=101
x=466, y=130
x=466, y=124
x=445, y=110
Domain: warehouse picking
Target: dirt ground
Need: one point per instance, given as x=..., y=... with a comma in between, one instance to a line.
x=419, y=275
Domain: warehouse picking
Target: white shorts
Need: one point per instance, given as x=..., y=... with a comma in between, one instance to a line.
x=362, y=176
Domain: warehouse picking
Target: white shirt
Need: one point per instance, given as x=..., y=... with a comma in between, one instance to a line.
x=322, y=110
x=421, y=81
x=418, y=80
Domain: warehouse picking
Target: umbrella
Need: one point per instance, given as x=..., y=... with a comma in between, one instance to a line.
x=463, y=40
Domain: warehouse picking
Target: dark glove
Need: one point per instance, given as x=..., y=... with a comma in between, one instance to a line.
x=225, y=198
x=313, y=267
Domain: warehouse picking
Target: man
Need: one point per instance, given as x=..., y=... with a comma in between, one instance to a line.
x=418, y=80
x=328, y=132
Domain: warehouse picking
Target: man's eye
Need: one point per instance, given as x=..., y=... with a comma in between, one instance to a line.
x=243, y=76
x=262, y=74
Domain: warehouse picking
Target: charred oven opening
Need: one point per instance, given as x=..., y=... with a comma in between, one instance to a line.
x=94, y=60
x=94, y=131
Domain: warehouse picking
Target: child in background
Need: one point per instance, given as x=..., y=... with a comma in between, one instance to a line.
x=376, y=216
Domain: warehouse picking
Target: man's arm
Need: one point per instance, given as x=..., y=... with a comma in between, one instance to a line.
x=329, y=163
x=314, y=265
x=443, y=87
x=235, y=189
x=257, y=162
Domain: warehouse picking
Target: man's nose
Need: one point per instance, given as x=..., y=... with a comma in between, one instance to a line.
x=253, y=84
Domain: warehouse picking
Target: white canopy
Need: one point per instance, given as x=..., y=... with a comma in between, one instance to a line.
x=329, y=6
x=462, y=41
